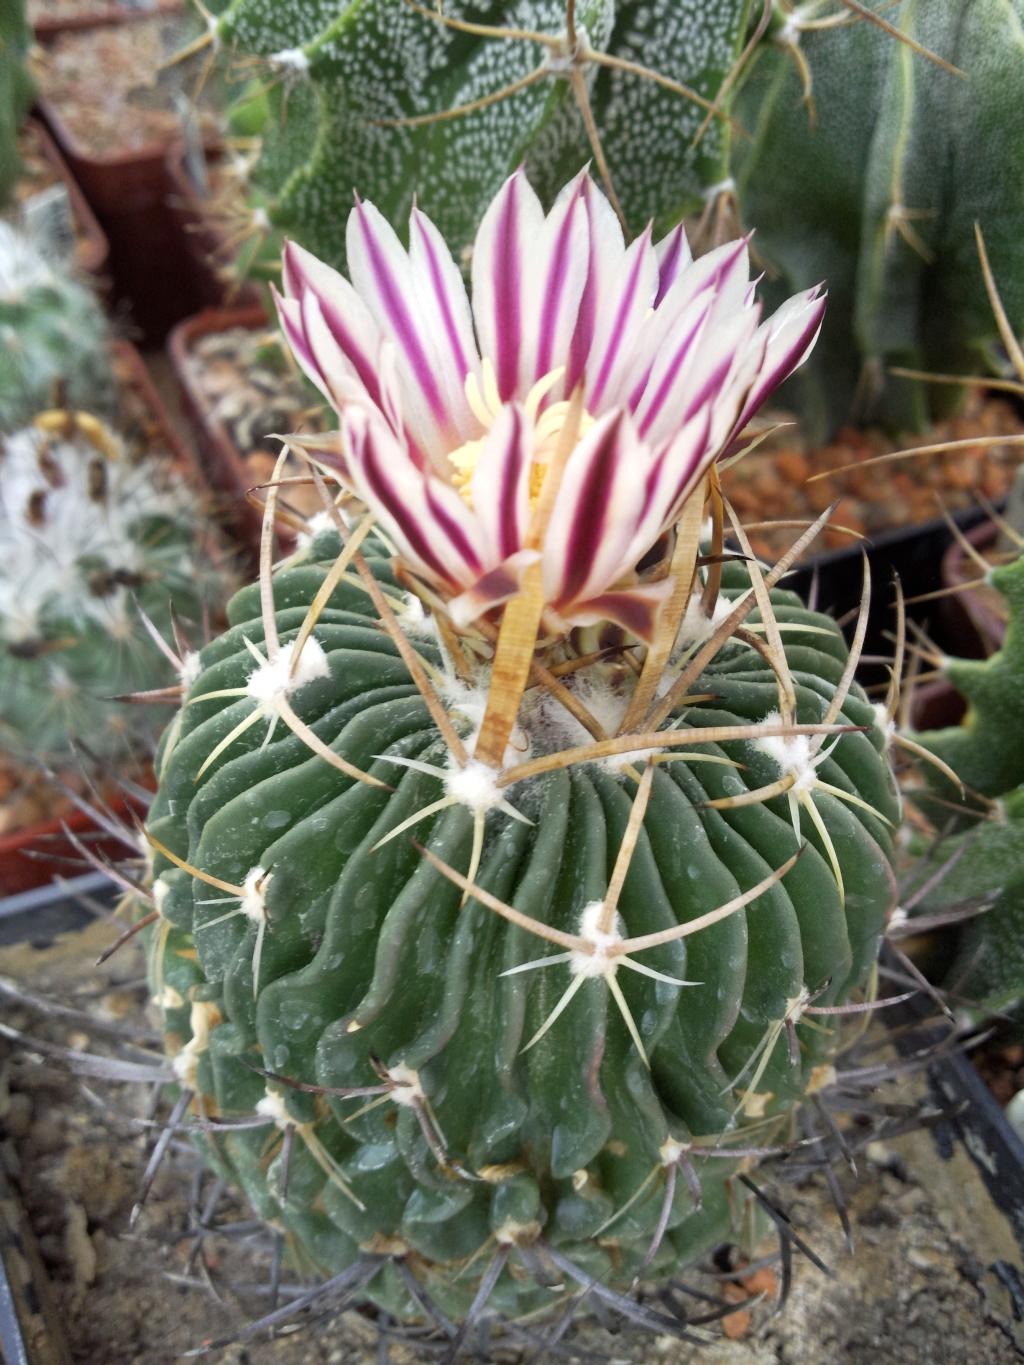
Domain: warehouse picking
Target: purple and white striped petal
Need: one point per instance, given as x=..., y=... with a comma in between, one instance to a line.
x=596, y=512
x=605, y=250
x=634, y=608
x=624, y=297
x=506, y=238
x=431, y=525
x=496, y=587
x=556, y=273
x=441, y=286
x=385, y=278
x=350, y=326
x=674, y=255
x=790, y=334
x=501, y=482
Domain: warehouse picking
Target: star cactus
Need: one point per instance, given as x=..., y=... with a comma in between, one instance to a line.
x=472, y=932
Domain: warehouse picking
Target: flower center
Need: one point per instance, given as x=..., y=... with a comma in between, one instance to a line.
x=485, y=402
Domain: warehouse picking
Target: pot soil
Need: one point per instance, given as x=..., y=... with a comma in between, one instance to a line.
x=52, y=17
x=44, y=166
x=113, y=115
x=772, y=481
x=239, y=388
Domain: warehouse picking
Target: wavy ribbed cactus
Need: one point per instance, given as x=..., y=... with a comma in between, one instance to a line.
x=507, y=940
x=346, y=71
x=88, y=535
x=985, y=856
x=877, y=189
x=54, y=337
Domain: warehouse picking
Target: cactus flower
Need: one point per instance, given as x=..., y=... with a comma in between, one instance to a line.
x=623, y=371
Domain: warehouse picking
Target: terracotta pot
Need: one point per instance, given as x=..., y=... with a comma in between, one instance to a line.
x=128, y=191
x=972, y=606
x=93, y=249
x=222, y=461
x=206, y=242
x=46, y=30
x=35, y=855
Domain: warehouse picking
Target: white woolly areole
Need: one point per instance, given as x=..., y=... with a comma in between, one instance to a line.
x=272, y=680
x=696, y=626
x=597, y=963
x=471, y=703
x=475, y=786
x=204, y=1017
x=253, y=900
x=792, y=755
x=671, y=1150
x=290, y=59
x=191, y=667
x=408, y=1090
x=884, y=722
x=159, y=893
x=272, y=1106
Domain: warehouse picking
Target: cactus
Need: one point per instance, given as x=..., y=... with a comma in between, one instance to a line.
x=16, y=91
x=983, y=856
x=877, y=186
x=88, y=536
x=418, y=809
x=339, y=75
x=54, y=338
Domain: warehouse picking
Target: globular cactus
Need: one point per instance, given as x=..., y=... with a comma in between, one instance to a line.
x=869, y=165
x=472, y=982
x=87, y=537
x=982, y=857
x=54, y=337
x=16, y=90
x=353, y=88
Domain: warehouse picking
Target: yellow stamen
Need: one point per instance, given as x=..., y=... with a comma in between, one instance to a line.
x=485, y=403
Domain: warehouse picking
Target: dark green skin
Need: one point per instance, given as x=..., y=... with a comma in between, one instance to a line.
x=379, y=941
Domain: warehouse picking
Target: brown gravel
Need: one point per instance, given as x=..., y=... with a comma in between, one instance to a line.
x=771, y=482
x=107, y=87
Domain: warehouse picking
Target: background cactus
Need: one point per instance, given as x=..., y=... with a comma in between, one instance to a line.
x=54, y=337
x=16, y=90
x=874, y=188
x=336, y=73
x=983, y=852
x=87, y=535
x=324, y=960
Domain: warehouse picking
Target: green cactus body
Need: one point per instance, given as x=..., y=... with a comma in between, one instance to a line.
x=87, y=537
x=368, y=967
x=878, y=191
x=345, y=69
x=16, y=92
x=984, y=857
x=54, y=337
